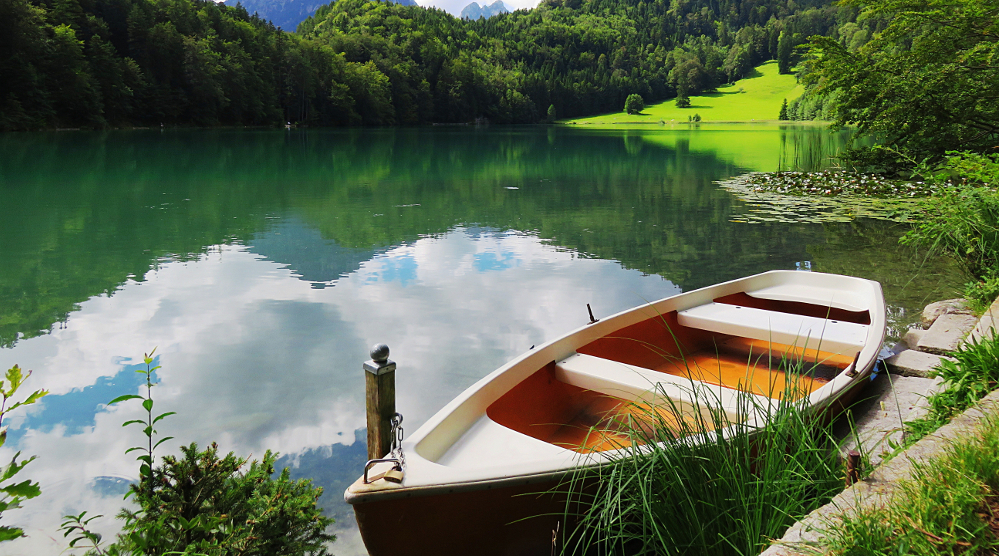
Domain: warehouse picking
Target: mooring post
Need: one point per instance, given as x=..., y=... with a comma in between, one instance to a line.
x=379, y=386
x=852, y=467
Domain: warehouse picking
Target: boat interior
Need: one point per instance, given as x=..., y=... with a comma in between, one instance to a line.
x=644, y=374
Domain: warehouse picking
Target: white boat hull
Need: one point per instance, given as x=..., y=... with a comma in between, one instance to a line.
x=503, y=436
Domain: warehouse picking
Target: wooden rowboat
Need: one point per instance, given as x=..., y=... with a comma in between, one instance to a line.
x=476, y=469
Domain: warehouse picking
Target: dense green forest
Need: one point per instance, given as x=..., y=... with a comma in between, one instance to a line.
x=98, y=63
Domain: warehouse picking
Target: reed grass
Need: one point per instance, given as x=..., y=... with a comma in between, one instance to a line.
x=693, y=478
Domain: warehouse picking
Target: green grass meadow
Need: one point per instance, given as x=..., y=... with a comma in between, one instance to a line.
x=755, y=98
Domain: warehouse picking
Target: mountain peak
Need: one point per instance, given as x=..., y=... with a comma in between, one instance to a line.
x=474, y=11
x=287, y=14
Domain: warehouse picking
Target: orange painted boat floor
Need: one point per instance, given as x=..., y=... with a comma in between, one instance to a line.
x=736, y=372
x=602, y=424
x=759, y=367
x=582, y=420
x=575, y=418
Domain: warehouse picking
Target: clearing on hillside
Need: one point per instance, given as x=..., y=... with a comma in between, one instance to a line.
x=755, y=98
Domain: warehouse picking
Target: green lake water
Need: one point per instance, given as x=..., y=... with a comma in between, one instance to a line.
x=262, y=265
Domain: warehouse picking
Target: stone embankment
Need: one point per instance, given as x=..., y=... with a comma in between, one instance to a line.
x=896, y=396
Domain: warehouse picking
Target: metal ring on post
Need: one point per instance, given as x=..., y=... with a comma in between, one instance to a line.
x=372, y=462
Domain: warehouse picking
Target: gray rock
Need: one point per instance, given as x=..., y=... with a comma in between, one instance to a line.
x=877, y=420
x=947, y=332
x=912, y=337
x=988, y=325
x=913, y=363
x=881, y=486
x=945, y=307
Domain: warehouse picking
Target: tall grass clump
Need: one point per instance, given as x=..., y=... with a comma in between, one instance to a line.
x=949, y=506
x=696, y=479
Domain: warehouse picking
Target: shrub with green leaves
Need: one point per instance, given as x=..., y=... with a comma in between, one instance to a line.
x=964, y=220
x=968, y=168
x=12, y=492
x=200, y=503
x=205, y=504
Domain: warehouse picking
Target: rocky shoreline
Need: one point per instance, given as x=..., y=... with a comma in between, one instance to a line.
x=892, y=398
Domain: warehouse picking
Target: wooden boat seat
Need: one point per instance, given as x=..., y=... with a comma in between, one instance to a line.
x=636, y=384
x=805, y=293
x=784, y=328
x=612, y=377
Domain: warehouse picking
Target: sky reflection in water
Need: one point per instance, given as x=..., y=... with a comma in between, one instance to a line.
x=256, y=357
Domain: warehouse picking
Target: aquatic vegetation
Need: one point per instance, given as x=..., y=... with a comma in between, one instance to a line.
x=828, y=196
x=840, y=182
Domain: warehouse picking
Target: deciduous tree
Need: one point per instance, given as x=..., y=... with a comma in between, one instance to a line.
x=634, y=104
x=928, y=83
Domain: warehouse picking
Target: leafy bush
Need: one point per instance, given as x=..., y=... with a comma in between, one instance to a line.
x=13, y=493
x=982, y=293
x=202, y=504
x=683, y=101
x=964, y=220
x=634, y=104
x=965, y=168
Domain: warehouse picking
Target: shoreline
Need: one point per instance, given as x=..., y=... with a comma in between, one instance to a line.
x=877, y=426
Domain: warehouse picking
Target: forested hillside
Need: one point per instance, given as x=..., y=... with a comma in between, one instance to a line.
x=96, y=63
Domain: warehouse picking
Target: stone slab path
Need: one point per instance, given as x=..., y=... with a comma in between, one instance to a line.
x=892, y=398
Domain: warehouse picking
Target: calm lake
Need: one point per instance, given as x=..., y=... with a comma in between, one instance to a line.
x=263, y=264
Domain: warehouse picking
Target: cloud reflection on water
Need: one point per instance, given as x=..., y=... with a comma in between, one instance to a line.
x=254, y=357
